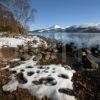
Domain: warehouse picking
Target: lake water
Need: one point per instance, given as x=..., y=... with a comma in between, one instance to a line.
x=80, y=39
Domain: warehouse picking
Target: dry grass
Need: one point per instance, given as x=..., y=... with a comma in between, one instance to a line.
x=6, y=54
x=4, y=77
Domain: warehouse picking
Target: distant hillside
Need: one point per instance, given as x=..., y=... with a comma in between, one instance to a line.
x=95, y=28
x=88, y=28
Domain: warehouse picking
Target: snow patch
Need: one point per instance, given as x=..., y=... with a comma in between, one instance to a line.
x=12, y=85
x=55, y=27
x=49, y=76
x=21, y=40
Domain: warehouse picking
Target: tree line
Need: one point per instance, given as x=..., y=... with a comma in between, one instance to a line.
x=15, y=15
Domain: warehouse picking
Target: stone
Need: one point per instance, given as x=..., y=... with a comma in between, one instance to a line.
x=53, y=57
x=29, y=67
x=66, y=91
x=22, y=70
x=48, y=81
x=38, y=71
x=88, y=63
x=25, y=57
x=35, y=82
x=21, y=78
x=34, y=41
x=41, y=67
x=63, y=76
x=15, y=63
x=30, y=73
x=13, y=72
x=47, y=57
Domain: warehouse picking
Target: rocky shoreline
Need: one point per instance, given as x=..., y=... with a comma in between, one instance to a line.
x=86, y=85
x=48, y=52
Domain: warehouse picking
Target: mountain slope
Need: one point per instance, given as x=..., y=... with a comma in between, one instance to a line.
x=95, y=28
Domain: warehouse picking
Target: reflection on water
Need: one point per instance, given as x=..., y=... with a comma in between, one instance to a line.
x=80, y=39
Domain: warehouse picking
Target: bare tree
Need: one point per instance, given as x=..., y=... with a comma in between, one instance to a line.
x=21, y=10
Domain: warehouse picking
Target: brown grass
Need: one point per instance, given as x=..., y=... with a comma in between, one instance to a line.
x=6, y=54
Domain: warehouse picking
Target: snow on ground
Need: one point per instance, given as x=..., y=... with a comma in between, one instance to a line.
x=21, y=40
x=50, y=76
x=38, y=79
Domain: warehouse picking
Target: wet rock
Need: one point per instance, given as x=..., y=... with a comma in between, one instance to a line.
x=34, y=41
x=38, y=71
x=59, y=46
x=70, y=49
x=49, y=75
x=53, y=71
x=63, y=76
x=13, y=72
x=41, y=67
x=45, y=71
x=15, y=63
x=48, y=81
x=47, y=57
x=53, y=68
x=88, y=63
x=96, y=51
x=25, y=57
x=53, y=57
x=29, y=67
x=88, y=51
x=35, y=82
x=94, y=65
x=93, y=50
x=21, y=78
x=30, y=73
x=47, y=68
x=22, y=70
x=34, y=59
x=66, y=91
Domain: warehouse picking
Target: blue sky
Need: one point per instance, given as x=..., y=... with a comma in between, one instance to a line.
x=65, y=12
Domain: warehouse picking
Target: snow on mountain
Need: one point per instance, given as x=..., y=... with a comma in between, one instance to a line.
x=97, y=25
x=55, y=27
x=77, y=28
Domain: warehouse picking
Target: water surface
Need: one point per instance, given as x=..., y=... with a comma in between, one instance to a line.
x=80, y=39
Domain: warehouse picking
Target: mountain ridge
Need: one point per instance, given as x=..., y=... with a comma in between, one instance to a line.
x=95, y=28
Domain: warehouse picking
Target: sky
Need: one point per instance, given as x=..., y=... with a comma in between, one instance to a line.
x=65, y=12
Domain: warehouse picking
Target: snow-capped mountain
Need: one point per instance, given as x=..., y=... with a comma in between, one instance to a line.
x=84, y=28
x=88, y=25
x=55, y=27
x=74, y=28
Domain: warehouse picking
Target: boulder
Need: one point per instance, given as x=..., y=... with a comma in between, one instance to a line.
x=47, y=56
x=25, y=57
x=21, y=78
x=88, y=63
x=66, y=91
